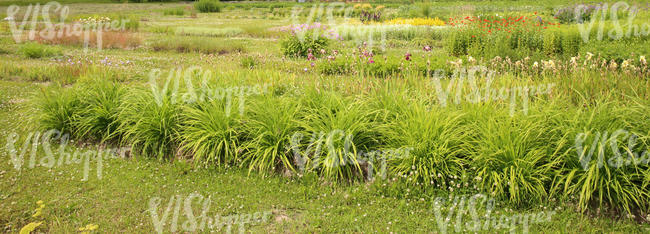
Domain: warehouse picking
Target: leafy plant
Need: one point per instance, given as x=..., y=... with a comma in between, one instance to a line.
x=206, y=6
x=268, y=128
x=36, y=50
x=209, y=134
x=150, y=123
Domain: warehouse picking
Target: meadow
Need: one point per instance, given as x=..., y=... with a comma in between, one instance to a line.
x=325, y=116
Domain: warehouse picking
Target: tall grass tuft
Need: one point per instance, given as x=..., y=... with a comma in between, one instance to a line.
x=56, y=108
x=344, y=128
x=514, y=157
x=209, y=134
x=148, y=125
x=268, y=128
x=437, y=137
x=100, y=100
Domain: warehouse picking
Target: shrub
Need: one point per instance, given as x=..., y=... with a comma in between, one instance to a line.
x=304, y=40
x=575, y=14
x=206, y=6
x=36, y=50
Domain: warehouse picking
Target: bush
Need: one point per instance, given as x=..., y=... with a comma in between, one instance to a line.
x=303, y=40
x=575, y=14
x=301, y=47
x=36, y=50
x=206, y=6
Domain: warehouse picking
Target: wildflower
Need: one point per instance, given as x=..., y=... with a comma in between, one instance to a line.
x=371, y=60
x=312, y=64
x=471, y=59
x=407, y=56
x=310, y=56
x=322, y=51
x=427, y=48
x=589, y=55
x=613, y=65
x=626, y=64
x=642, y=60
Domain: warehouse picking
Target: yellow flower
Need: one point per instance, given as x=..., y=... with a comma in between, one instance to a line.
x=29, y=228
x=417, y=21
x=88, y=228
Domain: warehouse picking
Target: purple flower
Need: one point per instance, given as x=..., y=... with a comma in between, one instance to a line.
x=427, y=48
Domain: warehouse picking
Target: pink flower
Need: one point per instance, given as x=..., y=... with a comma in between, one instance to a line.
x=370, y=60
x=407, y=56
x=427, y=48
x=310, y=56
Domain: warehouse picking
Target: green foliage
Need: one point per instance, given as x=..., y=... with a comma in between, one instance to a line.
x=100, y=100
x=268, y=129
x=150, y=123
x=209, y=134
x=174, y=11
x=35, y=50
x=206, y=6
x=301, y=44
x=56, y=107
x=437, y=138
x=248, y=62
x=344, y=129
x=337, y=67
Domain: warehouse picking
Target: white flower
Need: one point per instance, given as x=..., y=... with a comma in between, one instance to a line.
x=9, y=18
x=642, y=60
